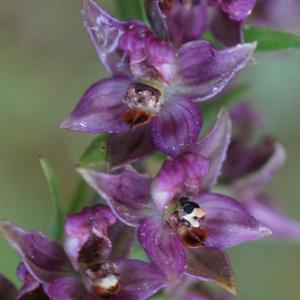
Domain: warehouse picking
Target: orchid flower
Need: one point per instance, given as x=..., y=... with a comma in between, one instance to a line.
x=250, y=167
x=151, y=99
x=87, y=268
x=182, y=226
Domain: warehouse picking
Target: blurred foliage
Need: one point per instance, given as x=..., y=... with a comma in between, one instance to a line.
x=270, y=39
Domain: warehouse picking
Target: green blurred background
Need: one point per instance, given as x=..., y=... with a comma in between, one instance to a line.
x=46, y=63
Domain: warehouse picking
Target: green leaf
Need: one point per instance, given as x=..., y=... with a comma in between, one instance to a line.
x=270, y=39
x=57, y=222
x=95, y=152
x=210, y=110
x=128, y=10
x=79, y=196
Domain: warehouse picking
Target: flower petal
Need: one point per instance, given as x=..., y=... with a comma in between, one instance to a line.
x=86, y=234
x=282, y=226
x=157, y=19
x=139, y=279
x=205, y=71
x=238, y=10
x=211, y=265
x=105, y=32
x=7, y=289
x=100, y=109
x=184, y=174
x=179, y=22
x=214, y=147
x=31, y=287
x=67, y=288
x=127, y=193
x=128, y=147
x=227, y=31
x=43, y=257
x=163, y=247
x=227, y=222
x=177, y=126
x=122, y=238
x=254, y=184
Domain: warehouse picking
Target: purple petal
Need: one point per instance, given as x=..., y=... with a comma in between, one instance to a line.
x=43, y=257
x=7, y=289
x=177, y=126
x=180, y=22
x=163, y=247
x=184, y=174
x=238, y=10
x=157, y=19
x=139, y=280
x=30, y=285
x=227, y=31
x=227, y=222
x=100, y=109
x=211, y=265
x=86, y=234
x=214, y=147
x=253, y=184
x=67, y=288
x=205, y=71
x=105, y=32
x=282, y=226
x=127, y=193
x=150, y=57
x=122, y=238
x=128, y=147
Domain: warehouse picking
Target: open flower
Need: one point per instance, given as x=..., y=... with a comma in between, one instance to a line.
x=154, y=86
x=249, y=167
x=181, y=225
x=94, y=272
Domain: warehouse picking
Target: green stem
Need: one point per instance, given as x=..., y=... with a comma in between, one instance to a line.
x=78, y=197
x=127, y=11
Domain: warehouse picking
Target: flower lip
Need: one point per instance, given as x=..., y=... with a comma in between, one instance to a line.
x=142, y=96
x=104, y=279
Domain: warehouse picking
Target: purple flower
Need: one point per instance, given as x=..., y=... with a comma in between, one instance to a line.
x=181, y=225
x=150, y=98
x=249, y=167
x=282, y=14
x=94, y=272
x=227, y=22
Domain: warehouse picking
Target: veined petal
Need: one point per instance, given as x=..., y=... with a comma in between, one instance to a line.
x=205, y=71
x=87, y=239
x=254, y=184
x=214, y=147
x=163, y=247
x=211, y=265
x=227, y=222
x=281, y=225
x=127, y=193
x=128, y=147
x=67, y=288
x=238, y=10
x=177, y=126
x=100, y=109
x=179, y=22
x=122, y=238
x=184, y=174
x=105, y=32
x=7, y=289
x=43, y=257
x=139, y=279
